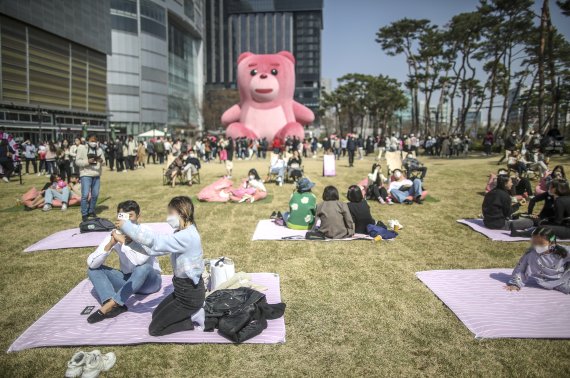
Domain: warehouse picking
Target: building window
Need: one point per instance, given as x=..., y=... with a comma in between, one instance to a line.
x=126, y=24
x=153, y=28
x=127, y=6
x=153, y=11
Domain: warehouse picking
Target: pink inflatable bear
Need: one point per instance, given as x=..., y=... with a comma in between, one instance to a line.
x=266, y=109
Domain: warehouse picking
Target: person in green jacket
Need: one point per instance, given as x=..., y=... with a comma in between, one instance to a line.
x=302, y=208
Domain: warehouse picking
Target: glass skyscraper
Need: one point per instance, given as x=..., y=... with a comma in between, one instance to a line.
x=53, y=67
x=155, y=72
x=265, y=27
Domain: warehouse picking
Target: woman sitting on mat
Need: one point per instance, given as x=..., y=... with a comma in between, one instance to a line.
x=178, y=310
x=359, y=210
x=333, y=217
x=302, y=208
x=498, y=208
x=545, y=261
x=251, y=190
x=376, y=190
x=559, y=223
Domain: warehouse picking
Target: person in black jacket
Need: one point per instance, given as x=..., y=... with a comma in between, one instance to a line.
x=560, y=222
x=351, y=148
x=510, y=145
x=498, y=208
x=359, y=210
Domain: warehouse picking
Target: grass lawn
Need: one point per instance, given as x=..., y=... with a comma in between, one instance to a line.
x=353, y=309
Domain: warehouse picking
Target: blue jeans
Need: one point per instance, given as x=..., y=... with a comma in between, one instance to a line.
x=50, y=194
x=279, y=171
x=113, y=284
x=414, y=191
x=89, y=185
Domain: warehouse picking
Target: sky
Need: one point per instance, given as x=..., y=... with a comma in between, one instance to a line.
x=350, y=28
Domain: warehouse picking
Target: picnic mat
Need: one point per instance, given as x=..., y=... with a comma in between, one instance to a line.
x=72, y=238
x=267, y=230
x=495, y=235
x=63, y=325
x=479, y=300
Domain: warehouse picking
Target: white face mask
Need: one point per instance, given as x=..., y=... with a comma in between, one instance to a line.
x=93, y=144
x=540, y=249
x=251, y=177
x=173, y=221
x=397, y=174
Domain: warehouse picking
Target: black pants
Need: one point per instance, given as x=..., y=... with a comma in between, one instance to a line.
x=33, y=162
x=111, y=162
x=524, y=186
x=374, y=192
x=160, y=157
x=132, y=162
x=8, y=167
x=120, y=164
x=350, y=158
x=422, y=170
x=488, y=149
x=151, y=154
x=64, y=169
x=174, y=313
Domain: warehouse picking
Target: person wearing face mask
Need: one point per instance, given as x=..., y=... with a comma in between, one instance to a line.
x=401, y=188
x=89, y=159
x=138, y=272
x=251, y=188
x=545, y=261
x=179, y=310
x=192, y=166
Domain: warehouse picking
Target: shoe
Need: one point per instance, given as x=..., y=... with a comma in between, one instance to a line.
x=64, y=207
x=98, y=316
x=5, y=179
x=279, y=215
x=84, y=218
x=199, y=318
x=408, y=202
x=381, y=200
x=75, y=365
x=418, y=200
x=91, y=215
x=273, y=215
x=98, y=362
x=47, y=207
x=242, y=199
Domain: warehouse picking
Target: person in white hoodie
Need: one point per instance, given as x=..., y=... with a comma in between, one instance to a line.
x=138, y=273
x=89, y=159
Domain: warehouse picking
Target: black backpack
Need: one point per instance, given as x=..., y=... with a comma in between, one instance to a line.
x=96, y=225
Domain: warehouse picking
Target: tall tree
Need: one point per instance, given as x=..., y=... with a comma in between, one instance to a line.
x=401, y=37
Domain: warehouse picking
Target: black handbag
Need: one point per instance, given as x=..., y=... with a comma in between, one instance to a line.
x=96, y=225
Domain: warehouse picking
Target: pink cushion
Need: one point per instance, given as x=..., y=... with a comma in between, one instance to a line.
x=410, y=198
x=218, y=191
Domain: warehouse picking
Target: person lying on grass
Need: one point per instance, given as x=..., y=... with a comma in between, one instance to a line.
x=138, y=273
x=401, y=188
x=302, y=208
x=545, y=261
x=180, y=309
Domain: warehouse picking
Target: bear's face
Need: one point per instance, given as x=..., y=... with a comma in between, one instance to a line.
x=265, y=78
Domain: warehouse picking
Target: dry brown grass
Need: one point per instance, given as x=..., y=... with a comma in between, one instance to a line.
x=353, y=309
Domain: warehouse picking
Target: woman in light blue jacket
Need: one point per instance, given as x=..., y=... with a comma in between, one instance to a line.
x=174, y=313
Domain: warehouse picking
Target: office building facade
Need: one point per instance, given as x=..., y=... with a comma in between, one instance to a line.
x=53, y=67
x=155, y=71
x=265, y=27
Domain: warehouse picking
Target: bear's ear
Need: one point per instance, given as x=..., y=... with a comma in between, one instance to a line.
x=244, y=55
x=287, y=55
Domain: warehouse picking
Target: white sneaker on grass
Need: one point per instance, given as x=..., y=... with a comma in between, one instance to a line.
x=5, y=179
x=75, y=365
x=98, y=362
x=64, y=207
x=47, y=207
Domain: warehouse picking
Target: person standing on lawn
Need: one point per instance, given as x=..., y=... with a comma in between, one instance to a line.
x=89, y=160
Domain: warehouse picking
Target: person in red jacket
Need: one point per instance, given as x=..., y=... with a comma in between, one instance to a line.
x=276, y=145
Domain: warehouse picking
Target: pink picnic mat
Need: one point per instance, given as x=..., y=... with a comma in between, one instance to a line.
x=268, y=230
x=72, y=238
x=478, y=299
x=495, y=235
x=63, y=325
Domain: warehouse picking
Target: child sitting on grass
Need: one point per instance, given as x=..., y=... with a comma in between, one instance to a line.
x=334, y=216
x=545, y=261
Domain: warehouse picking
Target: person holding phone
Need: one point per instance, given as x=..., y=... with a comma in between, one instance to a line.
x=89, y=159
x=178, y=311
x=138, y=273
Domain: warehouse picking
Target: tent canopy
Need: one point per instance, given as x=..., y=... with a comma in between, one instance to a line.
x=151, y=133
